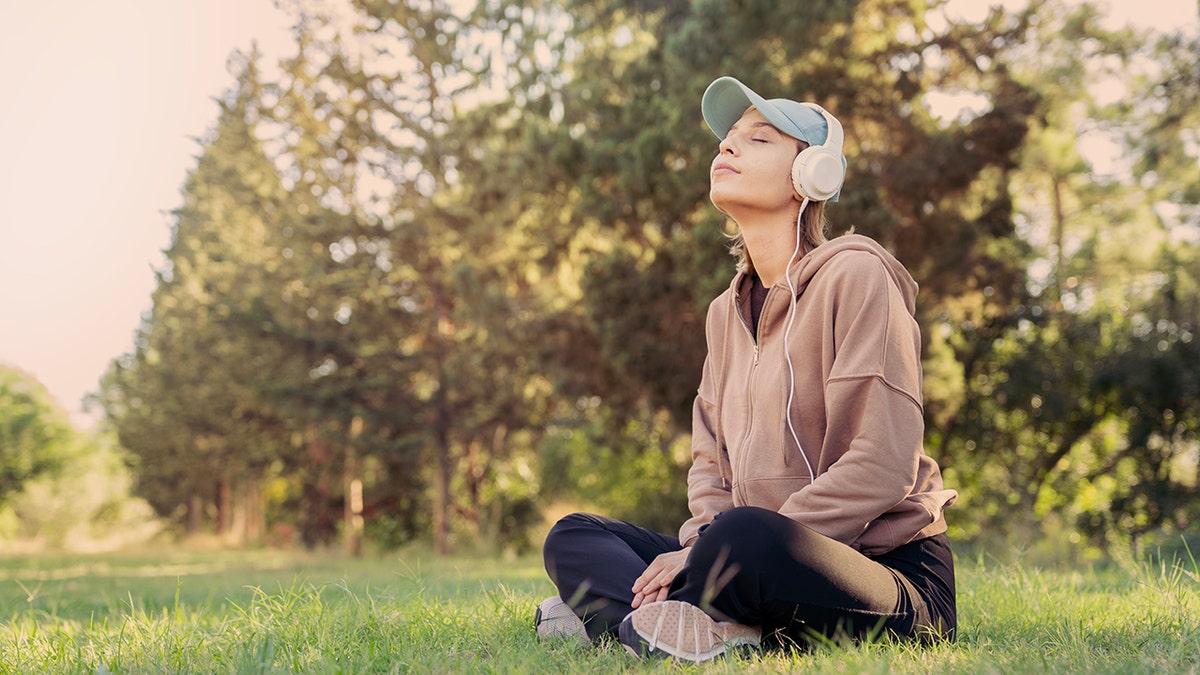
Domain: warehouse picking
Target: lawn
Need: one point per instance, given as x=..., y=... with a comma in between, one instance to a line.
x=268, y=612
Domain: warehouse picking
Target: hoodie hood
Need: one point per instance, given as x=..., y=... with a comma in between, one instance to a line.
x=802, y=273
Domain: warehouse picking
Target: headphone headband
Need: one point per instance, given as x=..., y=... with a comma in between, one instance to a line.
x=834, y=137
x=819, y=170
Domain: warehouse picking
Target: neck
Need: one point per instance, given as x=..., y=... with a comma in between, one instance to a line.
x=770, y=243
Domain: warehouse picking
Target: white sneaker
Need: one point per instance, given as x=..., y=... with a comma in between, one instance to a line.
x=684, y=631
x=555, y=620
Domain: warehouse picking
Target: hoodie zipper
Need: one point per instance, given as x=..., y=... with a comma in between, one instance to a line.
x=750, y=397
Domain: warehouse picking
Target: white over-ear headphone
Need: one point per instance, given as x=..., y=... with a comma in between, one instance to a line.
x=817, y=172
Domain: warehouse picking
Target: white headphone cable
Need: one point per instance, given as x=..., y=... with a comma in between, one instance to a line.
x=787, y=352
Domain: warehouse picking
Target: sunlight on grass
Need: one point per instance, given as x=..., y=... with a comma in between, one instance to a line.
x=255, y=612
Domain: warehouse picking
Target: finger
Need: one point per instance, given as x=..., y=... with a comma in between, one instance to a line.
x=640, y=583
x=643, y=598
x=646, y=577
x=665, y=577
x=647, y=586
x=653, y=597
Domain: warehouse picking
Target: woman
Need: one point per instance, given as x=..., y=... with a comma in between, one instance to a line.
x=815, y=511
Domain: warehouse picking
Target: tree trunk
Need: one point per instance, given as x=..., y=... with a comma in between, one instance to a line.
x=224, y=506
x=255, y=523
x=246, y=526
x=195, y=517
x=441, y=501
x=352, y=490
x=441, y=431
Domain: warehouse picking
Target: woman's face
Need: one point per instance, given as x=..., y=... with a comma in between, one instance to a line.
x=753, y=168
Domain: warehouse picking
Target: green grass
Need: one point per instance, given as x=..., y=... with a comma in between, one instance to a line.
x=268, y=612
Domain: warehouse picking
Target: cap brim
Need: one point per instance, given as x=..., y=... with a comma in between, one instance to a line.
x=726, y=100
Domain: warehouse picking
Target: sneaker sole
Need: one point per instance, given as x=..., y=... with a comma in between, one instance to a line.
x=672, y=619
x=572, y=631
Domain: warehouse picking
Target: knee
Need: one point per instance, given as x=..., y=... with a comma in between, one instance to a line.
x=750, y=536
x=570, y=545
x=743, y=535
x=738, y=522
x=567, y=528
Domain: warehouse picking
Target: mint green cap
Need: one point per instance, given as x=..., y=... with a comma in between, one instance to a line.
x=727, y=99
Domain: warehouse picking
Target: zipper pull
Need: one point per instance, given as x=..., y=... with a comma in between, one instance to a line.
x=756, y=355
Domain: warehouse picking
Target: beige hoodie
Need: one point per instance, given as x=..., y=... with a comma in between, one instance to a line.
x=856, y=407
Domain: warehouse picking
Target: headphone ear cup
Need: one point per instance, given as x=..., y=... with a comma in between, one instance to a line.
x=817, y=173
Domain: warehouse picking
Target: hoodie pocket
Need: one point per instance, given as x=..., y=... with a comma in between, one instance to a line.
x=770, y=492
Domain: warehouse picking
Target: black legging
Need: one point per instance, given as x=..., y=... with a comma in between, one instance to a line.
x=759, y=568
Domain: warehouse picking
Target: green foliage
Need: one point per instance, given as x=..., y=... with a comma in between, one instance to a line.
x=86, y=506
x=638, y=474
x=60, y=487
x=35, y=435
x=1080, y=408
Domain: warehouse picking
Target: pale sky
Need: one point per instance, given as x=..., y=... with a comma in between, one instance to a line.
x=99, y=104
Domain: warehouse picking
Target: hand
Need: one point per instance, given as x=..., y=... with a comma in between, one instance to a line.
x=654, y=583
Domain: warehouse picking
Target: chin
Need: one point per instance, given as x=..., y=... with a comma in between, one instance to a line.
x=720, y=201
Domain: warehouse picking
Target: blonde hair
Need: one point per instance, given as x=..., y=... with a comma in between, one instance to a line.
x=814, y=231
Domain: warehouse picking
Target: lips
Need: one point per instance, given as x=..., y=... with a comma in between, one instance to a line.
x=723, y=167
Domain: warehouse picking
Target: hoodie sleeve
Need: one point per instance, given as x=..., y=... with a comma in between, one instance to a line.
x=708, y=490
x=874, y=433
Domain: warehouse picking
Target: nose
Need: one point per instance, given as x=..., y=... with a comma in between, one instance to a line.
x=726, y=145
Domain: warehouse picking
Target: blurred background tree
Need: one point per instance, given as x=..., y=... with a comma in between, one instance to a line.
x=60, y=487
x=1074, y=394
x=34, y=434
x=446, y=270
